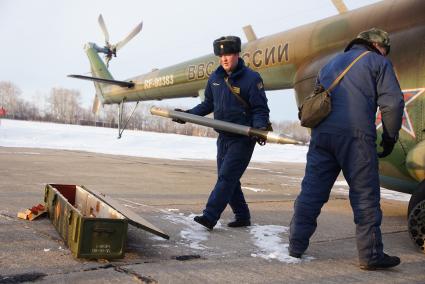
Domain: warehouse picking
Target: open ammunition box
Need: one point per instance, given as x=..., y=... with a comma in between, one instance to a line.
x=91, y=224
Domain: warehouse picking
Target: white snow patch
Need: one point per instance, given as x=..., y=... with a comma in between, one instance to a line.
x=292, y=178
x=266, y=170
x=258, y=169
x=5, y=214
x=394, y=195
x=193, y=234
x=24, y=153
x=30, y=134
x=157, y=238
x=161, y=245
x=385, y=193
x=130, y=206
x=136, y=203
x=255, y=189
x=341, y=183
x=267, y=239
x=46, y=250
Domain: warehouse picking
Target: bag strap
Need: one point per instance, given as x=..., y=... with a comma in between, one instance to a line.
x=338, y=79
x=238, y=97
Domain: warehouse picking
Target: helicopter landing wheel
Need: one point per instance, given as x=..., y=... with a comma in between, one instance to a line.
x=416, y=217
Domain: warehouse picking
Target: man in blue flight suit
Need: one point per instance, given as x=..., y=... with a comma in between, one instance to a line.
x=236, y=94
x=345, y=140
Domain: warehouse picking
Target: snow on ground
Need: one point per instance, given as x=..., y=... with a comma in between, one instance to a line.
x=385, y=193
x=270, y=245
x=254, y=189
x=193, y=234
x=29, y=134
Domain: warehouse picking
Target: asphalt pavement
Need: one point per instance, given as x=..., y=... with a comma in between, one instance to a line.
x=168, y=193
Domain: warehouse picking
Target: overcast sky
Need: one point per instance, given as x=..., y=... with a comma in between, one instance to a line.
x=42, y=41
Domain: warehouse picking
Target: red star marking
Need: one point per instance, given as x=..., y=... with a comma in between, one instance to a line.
x=409, y=96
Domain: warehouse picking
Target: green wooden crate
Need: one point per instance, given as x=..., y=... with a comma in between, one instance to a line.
x=92, y=224
x=90, y=227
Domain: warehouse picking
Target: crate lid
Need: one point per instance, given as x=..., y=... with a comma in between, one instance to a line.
x=132, y=217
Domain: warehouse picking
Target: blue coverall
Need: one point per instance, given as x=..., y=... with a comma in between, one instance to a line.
x=233, y=151
x=345, y=140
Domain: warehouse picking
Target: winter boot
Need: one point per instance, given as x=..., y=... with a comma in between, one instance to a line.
x=239, y=223
x=204, y=222
x=385, y=262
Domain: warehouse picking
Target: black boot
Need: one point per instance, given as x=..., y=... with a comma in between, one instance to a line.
x=385, y=262
x=204, y=222
x=239, y=223
x=295, y=254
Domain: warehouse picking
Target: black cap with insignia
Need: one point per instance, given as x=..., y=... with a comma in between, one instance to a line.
x=227, y=45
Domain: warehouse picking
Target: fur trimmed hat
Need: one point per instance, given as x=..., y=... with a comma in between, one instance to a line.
x=371, y=36
x=227, y=45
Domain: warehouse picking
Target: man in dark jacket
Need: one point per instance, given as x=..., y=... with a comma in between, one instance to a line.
x=345, y=140
x=235, y=94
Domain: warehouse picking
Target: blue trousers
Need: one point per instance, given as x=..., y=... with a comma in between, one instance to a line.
x=233, y=156
x=328, y=154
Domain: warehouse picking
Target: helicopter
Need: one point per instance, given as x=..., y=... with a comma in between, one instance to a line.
x=291, y=60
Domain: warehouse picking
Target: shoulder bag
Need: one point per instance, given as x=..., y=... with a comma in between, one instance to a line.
x=317, y=106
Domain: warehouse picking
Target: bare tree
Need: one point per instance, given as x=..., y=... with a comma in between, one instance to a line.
x=292, y=129
x=40, y=101
x=64, y=105
x=110, y=114
x=9, y=97
x=26, y=111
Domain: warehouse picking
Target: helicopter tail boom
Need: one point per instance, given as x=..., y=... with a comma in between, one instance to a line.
x=101, y=76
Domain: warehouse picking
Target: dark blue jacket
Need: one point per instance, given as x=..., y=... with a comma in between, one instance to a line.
x=223, y=102
x=371, y=82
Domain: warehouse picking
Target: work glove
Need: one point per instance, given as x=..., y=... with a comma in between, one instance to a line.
x=387, y=144
x=269, y=126
x=260, y=141
x=179, y=120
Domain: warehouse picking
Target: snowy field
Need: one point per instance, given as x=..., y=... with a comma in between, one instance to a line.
x=45, y=135
x=14, y=133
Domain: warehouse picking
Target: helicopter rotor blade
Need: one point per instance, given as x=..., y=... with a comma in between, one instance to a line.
x=104, y=29
x=133, y=33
